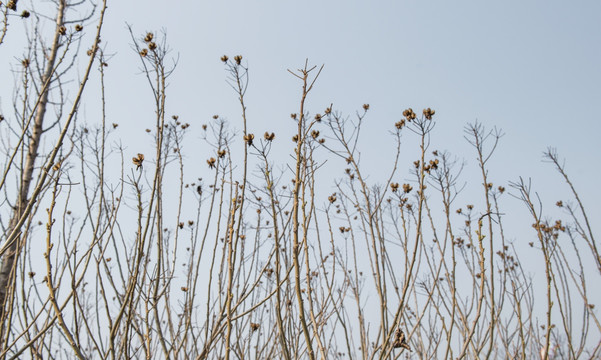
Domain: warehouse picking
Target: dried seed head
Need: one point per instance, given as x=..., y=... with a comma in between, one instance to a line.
x=78, y=27
x=62, y=30
x=224, y=58
x=221, y=153
x=238, y=59
x=332, y=198
x=254, y=326
x=400, y=341
x=268, y=136
x=249, y=139
x=25, y=63
x=25, y=14
x=407, y=188
x=12, y=4
x=293, y=116
x=433, y=164
x=138, y=160
x=318, y=117
x=152, y=46
x=394, y=187
x=409, y=114
x=399, y=124
x=211, y=162
x=144, y=52
x=148, y=38
x=295, y=138
x=365, y=107
x=428, y=113
x=315, y=134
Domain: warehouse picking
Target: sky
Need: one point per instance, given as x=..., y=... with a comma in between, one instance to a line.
x=529, y=68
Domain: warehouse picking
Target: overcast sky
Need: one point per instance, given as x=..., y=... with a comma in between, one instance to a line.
x=531, y=68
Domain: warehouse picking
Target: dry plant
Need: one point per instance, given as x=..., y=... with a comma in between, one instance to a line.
x=258, y=258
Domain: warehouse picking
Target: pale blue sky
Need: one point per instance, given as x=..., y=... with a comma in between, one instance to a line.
x=531, y=68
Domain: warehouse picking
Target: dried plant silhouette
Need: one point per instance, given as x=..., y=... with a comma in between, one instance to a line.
x=113, y=253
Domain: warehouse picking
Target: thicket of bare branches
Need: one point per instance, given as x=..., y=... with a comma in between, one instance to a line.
x=253, y=260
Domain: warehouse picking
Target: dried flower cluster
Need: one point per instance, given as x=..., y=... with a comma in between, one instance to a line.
x=249, y=139
x=428, y=113
x=137, y=160
x=409, y=114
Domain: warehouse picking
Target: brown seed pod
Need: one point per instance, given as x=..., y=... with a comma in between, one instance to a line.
x=138, y=160
x=268, y=136
x=400, y=341
x=211, y=162
x=249, y=139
